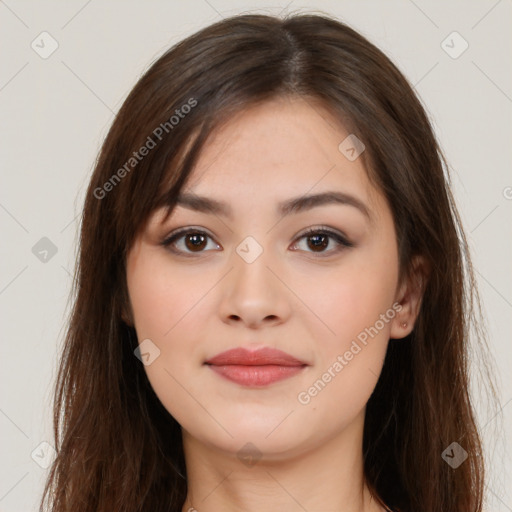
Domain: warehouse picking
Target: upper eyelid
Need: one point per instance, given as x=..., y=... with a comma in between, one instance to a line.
x=304, y=232
x=188, y=229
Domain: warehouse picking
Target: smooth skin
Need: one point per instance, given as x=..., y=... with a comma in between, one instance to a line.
x=310, y=296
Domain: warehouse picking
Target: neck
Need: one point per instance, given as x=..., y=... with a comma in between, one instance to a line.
x=326, y=477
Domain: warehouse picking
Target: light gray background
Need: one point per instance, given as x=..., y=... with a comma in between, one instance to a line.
x=56, y=111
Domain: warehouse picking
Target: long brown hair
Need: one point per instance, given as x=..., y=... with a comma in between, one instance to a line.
x=117, y=446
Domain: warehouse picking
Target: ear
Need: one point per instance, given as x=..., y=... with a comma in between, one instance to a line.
x=409, y=295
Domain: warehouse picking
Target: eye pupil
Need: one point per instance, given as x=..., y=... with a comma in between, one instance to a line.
x=197, y=243
x=319, y=244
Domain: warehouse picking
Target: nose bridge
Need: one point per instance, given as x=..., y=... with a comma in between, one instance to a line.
x=254, y=293
x=251, y=260
x=251, y=275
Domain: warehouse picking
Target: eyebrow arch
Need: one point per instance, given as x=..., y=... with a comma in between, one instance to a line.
x=290, y=206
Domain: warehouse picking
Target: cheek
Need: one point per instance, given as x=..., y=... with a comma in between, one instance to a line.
x=167, y=309
x=170, y=308
x=164, y=300
x=350, y=298
x=356, y=303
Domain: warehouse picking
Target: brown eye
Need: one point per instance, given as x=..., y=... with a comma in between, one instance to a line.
x=195, y=241
x=319, y=239
x=318, y=242
x=188, y=241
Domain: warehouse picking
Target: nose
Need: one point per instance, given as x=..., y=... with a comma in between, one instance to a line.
x=254, y=293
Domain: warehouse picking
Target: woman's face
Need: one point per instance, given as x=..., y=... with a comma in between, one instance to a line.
x=248, y=275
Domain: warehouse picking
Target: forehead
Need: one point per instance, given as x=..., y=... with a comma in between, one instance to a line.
x=288, y=144
x=272, y=153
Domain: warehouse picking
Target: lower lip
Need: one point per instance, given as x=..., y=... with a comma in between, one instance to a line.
x=256, y=375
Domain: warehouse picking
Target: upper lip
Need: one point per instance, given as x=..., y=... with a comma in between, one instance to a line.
x=259, y=357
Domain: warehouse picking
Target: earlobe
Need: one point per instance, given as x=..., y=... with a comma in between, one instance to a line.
x=403, y=324
x=409, y=296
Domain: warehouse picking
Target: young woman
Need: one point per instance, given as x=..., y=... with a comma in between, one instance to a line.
x=273, y=293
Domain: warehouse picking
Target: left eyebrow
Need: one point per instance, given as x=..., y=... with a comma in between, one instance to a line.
x=302, y=203
x=290, y=206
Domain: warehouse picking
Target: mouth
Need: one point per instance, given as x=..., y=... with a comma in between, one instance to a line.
x=255, y=368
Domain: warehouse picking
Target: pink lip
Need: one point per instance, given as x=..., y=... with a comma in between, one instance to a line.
x=255, y=368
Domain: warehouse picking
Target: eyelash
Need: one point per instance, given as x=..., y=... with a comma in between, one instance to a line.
x=342, y=242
